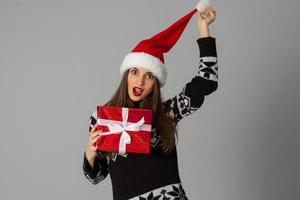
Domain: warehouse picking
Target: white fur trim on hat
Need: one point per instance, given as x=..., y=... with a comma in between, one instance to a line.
x=147, y=61
x=202, y=4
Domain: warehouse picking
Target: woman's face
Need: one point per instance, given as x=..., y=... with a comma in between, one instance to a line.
x=140, y=83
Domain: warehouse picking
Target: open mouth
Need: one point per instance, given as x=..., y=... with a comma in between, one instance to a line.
x=137, y=91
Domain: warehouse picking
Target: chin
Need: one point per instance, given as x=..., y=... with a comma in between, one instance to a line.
x=135, y=99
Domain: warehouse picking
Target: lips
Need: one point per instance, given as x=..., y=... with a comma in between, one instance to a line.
x=137, y=91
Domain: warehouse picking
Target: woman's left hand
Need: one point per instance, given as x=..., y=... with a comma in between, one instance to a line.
x=206, y=16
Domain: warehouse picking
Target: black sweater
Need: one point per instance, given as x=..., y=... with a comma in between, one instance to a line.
x=155, y=176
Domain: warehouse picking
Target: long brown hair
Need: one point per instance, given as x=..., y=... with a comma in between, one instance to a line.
x=163, y=123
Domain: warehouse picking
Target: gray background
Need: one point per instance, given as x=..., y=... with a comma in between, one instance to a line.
x=60, y=59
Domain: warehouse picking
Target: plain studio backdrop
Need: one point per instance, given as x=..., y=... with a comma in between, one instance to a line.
x=59, y=59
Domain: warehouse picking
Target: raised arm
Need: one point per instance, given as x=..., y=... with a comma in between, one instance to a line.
x=206, y=80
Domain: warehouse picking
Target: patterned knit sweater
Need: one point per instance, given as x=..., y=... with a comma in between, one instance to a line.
x=155, y=176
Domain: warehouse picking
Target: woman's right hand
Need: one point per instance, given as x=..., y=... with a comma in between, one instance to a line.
x=91, y=150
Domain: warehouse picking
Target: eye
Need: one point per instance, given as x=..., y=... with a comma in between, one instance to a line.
x=133, y=71
x=150, y=76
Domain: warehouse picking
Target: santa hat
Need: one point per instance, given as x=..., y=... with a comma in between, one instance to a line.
x=149, y=52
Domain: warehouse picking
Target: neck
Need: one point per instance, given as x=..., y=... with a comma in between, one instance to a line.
x=136, y=104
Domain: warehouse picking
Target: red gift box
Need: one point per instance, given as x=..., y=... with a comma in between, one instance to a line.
x=124, y=130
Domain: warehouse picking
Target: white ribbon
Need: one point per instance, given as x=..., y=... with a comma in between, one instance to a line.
x=121, y=128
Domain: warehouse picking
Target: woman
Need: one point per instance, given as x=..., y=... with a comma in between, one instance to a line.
x=154, y=176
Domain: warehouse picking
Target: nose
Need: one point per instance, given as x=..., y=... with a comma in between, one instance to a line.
x=140, y=80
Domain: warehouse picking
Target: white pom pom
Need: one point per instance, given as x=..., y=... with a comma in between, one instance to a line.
x=202, y=4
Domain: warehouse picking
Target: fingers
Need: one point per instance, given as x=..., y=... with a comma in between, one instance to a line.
x=93, y=135
x=93, y=129
x=215, y=12
x=212, y=12
x=94, y=140
x=93, y=148
x=206, y=15
x=202, y=12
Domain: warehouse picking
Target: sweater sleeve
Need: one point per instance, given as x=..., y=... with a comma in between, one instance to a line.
x=204, y=83
x=100, y=170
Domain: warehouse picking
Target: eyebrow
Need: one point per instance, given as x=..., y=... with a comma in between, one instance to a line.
x=139, y=70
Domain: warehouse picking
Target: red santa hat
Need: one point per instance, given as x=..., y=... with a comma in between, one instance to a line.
x=149, y=52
